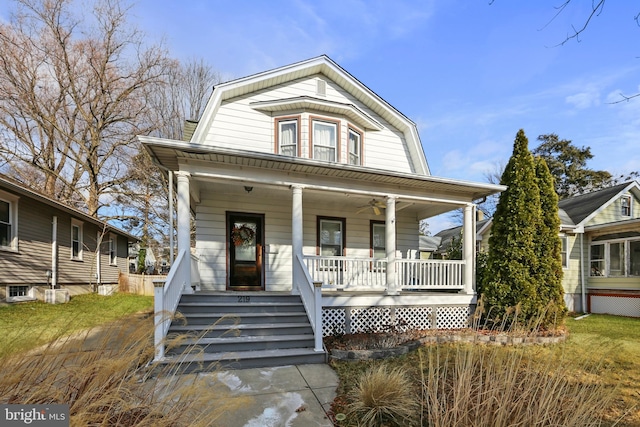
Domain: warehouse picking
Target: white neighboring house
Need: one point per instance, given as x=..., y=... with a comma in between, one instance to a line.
x=302, y=180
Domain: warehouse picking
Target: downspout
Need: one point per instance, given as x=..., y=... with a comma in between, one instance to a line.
x=582, y=287
x=54, y=252
x=98, y=261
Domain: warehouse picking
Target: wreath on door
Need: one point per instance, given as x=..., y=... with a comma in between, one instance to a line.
x=242, y=235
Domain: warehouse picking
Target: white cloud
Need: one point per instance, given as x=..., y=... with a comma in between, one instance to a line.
x=584, y=100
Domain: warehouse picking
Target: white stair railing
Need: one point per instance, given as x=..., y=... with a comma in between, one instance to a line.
x=167, y=296
x=311, y=295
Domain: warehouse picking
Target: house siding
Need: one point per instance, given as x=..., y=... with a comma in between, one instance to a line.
x=28, y=265
x=613, y=212
x=276, y=204
x=238, y=125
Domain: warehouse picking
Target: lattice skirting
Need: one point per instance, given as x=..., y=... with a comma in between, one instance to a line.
x=618, y=305
x=350, y=320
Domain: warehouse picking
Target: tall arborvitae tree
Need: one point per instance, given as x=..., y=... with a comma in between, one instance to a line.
x=512, y=261
x=549, y=246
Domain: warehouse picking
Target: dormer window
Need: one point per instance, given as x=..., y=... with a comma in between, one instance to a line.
x=626, y=205
x=324, y=140
x=355, y=147
x=287, y=136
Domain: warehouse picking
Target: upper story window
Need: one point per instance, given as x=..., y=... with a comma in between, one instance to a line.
x=324, y=140
x=626, y=205
x=76, y=240
x=355, y=147
x=8, y=221
x=288, y=136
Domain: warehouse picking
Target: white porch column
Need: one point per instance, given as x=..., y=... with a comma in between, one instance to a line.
x=390, y=245
x=184, y=222
x=296, y=234
x=468, y=249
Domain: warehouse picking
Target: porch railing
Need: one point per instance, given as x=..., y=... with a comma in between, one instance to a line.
x=183, y=275
x=348, y=273
x=345, y=273
x=311, y=295
x=430, y=274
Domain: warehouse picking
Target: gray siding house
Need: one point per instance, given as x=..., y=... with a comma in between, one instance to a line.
x=45, y=244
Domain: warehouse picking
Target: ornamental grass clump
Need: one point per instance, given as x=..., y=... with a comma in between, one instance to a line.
x=383, y=396
x=471, y=385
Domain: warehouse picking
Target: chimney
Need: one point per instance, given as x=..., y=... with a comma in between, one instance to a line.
x=479, y=215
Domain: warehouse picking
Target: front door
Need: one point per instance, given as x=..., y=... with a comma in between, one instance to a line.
x=245, y=235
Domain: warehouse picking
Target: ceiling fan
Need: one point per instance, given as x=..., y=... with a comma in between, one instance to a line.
x=375, y=205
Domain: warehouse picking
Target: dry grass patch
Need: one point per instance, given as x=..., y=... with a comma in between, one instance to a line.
x=589, y=380
x=103, y=375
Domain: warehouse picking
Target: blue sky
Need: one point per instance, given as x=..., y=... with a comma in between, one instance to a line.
x=470, y=73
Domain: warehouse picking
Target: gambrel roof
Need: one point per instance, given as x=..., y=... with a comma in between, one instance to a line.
x=325, y=66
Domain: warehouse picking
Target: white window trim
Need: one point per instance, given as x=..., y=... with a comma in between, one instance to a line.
x=607, y=255
x=286, y=120
x=79, y=224
x=351, y=130
x=29, y=297
x=113, y=249
x=565, y=264
x=630, y=206
x=13, y=220
x=336, y=148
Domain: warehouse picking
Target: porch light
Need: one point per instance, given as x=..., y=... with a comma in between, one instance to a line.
x=248, y=189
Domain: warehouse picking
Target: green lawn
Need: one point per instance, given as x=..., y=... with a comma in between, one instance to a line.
x=616, y=341
x=28, y=325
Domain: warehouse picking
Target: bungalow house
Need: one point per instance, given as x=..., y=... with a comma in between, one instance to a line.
x=600, y=233
x=307, y=189
x=47, y=245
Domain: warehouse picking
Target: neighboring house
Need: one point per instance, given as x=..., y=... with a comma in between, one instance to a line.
x=601, y=250
x=442, y=241
x=600, y=233
x=303, y=176
x=45, y=244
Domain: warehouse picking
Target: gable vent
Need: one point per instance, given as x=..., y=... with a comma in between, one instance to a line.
x=321, y=89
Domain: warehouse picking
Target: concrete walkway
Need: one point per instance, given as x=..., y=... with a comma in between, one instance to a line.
x=291, y=396
x=281, y=396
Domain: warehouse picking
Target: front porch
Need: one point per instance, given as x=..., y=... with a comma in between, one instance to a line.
x=266, y=328
x=349, y=250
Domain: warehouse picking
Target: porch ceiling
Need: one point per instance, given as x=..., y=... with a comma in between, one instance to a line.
x=170, y=154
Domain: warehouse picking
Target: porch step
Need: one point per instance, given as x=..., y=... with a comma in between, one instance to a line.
x=258, y=307
x=246, y=343
x=240, y=330
x=231, y=317
x=243, y=330
x=192, y=362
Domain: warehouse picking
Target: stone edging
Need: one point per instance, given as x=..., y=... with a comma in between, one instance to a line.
x=496, y=339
